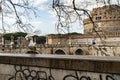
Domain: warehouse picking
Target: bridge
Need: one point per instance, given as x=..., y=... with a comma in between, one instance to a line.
x=68, y=49
x=47, y=49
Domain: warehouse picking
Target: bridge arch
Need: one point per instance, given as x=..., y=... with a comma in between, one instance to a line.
x=79, y=52
x=59, y=51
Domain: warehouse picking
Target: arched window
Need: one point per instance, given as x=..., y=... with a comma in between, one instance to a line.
x=79, y=52
x=59, y=52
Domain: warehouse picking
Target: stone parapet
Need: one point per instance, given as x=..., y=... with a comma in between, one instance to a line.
x=69, y=62
x=58, y=67
x=90, y=35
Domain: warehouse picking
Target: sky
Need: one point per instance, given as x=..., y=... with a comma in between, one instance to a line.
x=41, y=22
x=46, y=19
x=44, y=23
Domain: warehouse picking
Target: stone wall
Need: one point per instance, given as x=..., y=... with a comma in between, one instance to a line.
x=54, y=67
x=73, y=49
x=108, y=37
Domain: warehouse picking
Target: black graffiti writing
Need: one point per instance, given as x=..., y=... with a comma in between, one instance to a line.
x=78, y=77
x=28, y=73
x=108, y=77
x=85, y=78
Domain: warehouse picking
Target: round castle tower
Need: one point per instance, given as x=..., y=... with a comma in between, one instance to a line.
x=106, y=18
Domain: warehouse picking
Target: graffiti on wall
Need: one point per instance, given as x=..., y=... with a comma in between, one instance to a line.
x=85, y=77
x=28, y=74
x=36, y=73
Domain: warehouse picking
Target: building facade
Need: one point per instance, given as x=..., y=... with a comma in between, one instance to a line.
x=107, y=22
x=106, y=18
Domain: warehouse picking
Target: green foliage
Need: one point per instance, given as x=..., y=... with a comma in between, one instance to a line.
x=74, y=33
x=8, y=36
x=41, y=40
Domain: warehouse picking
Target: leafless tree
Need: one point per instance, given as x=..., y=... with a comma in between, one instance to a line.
x=76, y=11
x=17, y=9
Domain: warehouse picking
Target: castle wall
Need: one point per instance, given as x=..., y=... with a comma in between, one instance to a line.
x=107, y=37
x=107, y=26
x=106, y=18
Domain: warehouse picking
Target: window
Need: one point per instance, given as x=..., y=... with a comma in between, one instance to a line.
x=98, y=18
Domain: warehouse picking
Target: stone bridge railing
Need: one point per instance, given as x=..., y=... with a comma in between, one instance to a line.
x=46, y=45
x=55, y=46
x=58, y=67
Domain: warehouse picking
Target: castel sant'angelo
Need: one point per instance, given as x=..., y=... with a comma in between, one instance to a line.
x=106, y=18
x=107, y=25
x=107, y=35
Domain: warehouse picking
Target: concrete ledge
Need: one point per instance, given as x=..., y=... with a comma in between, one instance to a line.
x=68, y=62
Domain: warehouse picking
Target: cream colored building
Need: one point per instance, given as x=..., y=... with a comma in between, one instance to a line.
x=106, y=18
x=107, y=21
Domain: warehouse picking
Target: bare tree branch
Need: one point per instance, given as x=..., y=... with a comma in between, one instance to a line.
x=18, y=9
x=63, y=10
